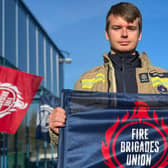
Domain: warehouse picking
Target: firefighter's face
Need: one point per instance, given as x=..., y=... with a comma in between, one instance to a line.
x=123, y=36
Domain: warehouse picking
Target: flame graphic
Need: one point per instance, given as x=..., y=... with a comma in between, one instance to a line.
x=140, y=112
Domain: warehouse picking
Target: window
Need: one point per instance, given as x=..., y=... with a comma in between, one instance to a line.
x=10, y=39
x=54, y=73
x=61, y=76
x=22, y=39
x=48, y=65
x=41, y=54
x=32, y=46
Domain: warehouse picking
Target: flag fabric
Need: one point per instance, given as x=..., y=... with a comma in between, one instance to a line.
x=105, y=130
x=17, y=89
x=47, y=103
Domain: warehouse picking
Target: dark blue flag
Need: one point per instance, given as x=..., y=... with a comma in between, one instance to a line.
x=114, y=131
x=47, y=103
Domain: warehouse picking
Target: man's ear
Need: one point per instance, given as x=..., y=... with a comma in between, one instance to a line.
x=140, y=37
x=106, y=35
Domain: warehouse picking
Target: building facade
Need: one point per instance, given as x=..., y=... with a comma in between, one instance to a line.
x=25, y=44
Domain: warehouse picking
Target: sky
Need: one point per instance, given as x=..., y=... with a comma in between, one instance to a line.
x=77, y=27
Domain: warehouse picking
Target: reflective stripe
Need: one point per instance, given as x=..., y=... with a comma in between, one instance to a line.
x=88, y=83
x=159, y=81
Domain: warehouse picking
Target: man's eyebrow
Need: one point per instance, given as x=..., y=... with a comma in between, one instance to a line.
x=116, y=25
x=132, y=26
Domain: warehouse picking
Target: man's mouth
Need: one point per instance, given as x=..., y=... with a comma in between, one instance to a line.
x=123, y=43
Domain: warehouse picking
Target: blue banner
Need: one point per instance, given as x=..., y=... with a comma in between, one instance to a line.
x=114, y=131
x=47, y=103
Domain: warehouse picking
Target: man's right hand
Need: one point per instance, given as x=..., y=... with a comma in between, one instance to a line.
x=57, y=119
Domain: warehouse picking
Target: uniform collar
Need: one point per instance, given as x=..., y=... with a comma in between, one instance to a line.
x=128, y=60
x=145, y=62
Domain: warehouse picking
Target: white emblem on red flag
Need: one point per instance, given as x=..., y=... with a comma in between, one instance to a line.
x=10, y=99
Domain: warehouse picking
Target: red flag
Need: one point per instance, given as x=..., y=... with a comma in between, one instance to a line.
x=17, y=90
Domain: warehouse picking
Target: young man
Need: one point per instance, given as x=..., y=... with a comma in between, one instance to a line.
x=124, y=69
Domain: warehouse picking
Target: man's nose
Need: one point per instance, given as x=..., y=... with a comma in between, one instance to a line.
x=124, y=33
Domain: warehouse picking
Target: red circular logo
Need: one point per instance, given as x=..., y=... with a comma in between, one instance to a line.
x=137, y=140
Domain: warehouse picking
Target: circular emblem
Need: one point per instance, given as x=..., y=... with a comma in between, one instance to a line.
x=136, y=140
x=139, y=148
x=162, y=89
x=10, y=99
x=7, y=99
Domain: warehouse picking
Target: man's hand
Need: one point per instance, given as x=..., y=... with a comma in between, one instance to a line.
x=57, y=119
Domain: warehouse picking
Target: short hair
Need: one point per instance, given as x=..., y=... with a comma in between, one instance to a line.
x=126, y=10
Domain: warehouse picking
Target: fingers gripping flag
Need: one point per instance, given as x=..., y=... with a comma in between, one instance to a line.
x=17, y=90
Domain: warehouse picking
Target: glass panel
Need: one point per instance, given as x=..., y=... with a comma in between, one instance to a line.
x=61, y=76
x=22, y=39
x=10, y=31
x=48, y=65
x=31, y=119
x=41, y=62
x=16, y=146
x=54, y=73
x=32, y=47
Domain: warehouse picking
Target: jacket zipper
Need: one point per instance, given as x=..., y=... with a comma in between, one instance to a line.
x=123, y=75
